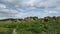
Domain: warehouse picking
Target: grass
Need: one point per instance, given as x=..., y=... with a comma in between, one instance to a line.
x=30, y=27
x=5, y=30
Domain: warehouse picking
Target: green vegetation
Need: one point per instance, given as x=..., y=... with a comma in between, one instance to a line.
x=30, y=27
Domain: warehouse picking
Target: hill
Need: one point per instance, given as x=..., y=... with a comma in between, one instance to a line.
x=30, y=25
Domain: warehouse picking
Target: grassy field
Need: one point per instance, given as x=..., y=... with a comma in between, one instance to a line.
x=30, y=27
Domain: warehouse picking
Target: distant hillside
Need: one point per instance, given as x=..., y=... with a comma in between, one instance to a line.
x=48, y=18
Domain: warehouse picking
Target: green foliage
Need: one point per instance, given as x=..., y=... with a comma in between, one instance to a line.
x=5, y=30
x=30, y=27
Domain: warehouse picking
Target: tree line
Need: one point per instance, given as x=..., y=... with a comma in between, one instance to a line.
x=46, y=19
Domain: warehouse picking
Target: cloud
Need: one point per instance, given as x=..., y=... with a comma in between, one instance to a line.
x=2, y=6
x=7, y=12
x=23, y=8
x=34, y=3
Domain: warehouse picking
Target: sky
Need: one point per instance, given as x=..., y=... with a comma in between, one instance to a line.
x=26, y=8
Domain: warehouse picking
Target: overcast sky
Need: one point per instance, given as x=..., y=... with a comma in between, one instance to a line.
x=24, y=8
